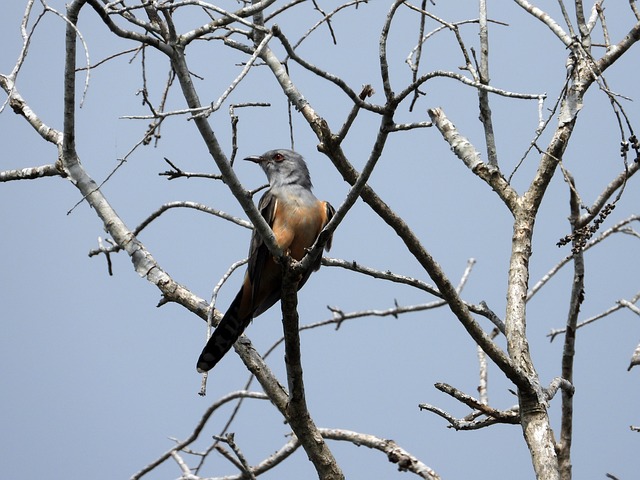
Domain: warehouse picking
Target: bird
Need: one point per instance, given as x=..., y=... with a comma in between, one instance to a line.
x=296, y=217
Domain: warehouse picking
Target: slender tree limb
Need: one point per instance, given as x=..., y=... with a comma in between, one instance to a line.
x=238, y=16
x=465, y=81
x=606, y=194
x=483, y=97
x=169, y=206
x=582, y=24
x=31, y=173
x=367, y=91
x=483, y=384
x=568, y=352
x=620, y=304
x=323, y=74
x=481, y=309
x=559, y=383
x=417, y=54
x=198, y=429
x=405, y=461
x=634, y=9
x=509, y=416
x=297, y=411
x=465, y=151
x=243, y=464
x=616, y=51
x=395, y=454
x=138, y=37
x=547, y=20
x=382, y=51
x=620, y=227
x=20, y=106
x=215, y=149
x=326, y=18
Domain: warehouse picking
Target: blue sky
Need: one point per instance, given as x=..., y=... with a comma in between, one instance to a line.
x=96, y=379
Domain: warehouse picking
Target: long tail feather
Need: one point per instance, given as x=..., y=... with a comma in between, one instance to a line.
x=224, y=336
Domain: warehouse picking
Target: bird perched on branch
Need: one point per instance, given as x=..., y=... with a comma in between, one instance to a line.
x=296, y=217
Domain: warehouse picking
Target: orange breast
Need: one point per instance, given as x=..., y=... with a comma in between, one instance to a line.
x=297, y=226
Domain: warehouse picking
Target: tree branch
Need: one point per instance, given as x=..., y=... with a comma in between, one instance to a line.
x=568, y=352
x=297, y=412
x=31, y=173
x=198, y=429
x=465, y=151
x=395, y=454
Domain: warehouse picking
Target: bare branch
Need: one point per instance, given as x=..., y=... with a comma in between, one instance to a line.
x=395, y=454
x=484, y=371
x=466, y=81
x=398, y=127
x=198, y=429
x=483, y=97
x=634, y=8
x=622, y=303
x=356, y=267
x=325, y=19
x=465, y=151
x=606, y=194
x=327, y=76
x=367, y=91
x=557, y=384
x=227, y=18
x=179, y=204
x=509, y=416
x=31, y=173
x=247, y=471
x=218, y=103
x=382, y=50
x=547, y=20
x=618, y=227
x=177, y=172
x=616, y=51
x=20, y=106
x=297, y=412
x=214, y=147
x=569, y=349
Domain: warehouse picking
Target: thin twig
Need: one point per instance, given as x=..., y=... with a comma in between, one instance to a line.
x=198, y=429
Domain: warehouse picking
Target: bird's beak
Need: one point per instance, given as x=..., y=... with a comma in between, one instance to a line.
x=255, y=158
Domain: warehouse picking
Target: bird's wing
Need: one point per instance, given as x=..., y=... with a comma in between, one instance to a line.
x=330, y=211
x=258, y=251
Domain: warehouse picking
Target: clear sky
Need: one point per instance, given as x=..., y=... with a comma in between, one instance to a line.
x=96, y=380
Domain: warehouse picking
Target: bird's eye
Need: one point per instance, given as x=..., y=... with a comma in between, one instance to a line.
x=278, y=157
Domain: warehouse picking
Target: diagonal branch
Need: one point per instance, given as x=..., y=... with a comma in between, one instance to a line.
x=465, y=151
x=179, y=63
x=616, y=51
x=545, y=18
x=198, y=429
x=406, y=462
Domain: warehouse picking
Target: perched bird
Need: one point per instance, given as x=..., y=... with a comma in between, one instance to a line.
x=296, y=217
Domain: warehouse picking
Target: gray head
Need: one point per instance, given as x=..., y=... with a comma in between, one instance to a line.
x=283, y=167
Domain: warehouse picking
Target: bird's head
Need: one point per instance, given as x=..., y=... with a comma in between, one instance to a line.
x=283, y=167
